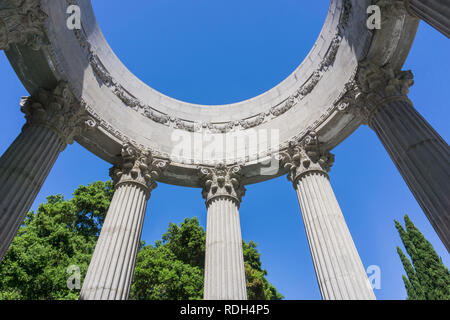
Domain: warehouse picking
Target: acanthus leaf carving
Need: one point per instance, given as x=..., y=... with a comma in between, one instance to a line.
x=58, y=110
x=22, y=22
x=137, y=166
x=351, y=101
x=305, y=156
x=392, y=9
x=222, y=182
x=380, y=84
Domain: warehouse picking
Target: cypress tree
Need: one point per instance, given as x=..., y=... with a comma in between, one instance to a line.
x=426, y=278
x=412, y=284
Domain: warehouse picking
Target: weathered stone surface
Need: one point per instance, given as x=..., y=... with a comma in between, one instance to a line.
x=23, y=170
x=418, y=151
x=305, y=156
x=224, y=262
x=340, y=272
x=57, y=110
x=434, y=12
x=22, y=22
x=111, y=269
x=137, y=167
x=53, y=119
x=222, y=182
x=145, y=127
x=338, y=267
x=150, y=120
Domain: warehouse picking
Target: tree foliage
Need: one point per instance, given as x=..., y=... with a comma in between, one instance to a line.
x=258, y=288
x=426, y=278
x=62, y=233
x=173, y=268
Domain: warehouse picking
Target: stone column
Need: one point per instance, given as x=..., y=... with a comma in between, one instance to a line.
x=22, y=22
x=418, y=151
x=53, y=119
x=110, y=272
x=224, y=261
x=340, y=272
x=435, y=12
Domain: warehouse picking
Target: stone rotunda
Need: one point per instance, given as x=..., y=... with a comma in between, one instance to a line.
x=79, y=90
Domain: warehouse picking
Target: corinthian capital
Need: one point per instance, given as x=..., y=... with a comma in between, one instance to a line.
x=138, y=167
x=306, y=156
x=383, y=82
x=222, y=181
x=381, y=85
x=58, y=110
x=22, y=22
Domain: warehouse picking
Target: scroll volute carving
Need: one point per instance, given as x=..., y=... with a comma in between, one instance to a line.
x=22, y=22
x=222, y=181
x=58, y=110
x=305, y=156
x=138, y=166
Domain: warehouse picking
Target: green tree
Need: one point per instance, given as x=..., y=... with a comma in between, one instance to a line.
x=187, y=241
x=258, y=288
x=174, y=267
x=426, y=278
x=159, y=275
x=64, y=232
x=60, y=234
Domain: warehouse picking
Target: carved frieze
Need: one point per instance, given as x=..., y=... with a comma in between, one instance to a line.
x=341, y=104
x=190, y=125
x=22, y=22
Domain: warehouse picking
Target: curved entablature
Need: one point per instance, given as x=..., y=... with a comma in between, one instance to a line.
x=320, y=96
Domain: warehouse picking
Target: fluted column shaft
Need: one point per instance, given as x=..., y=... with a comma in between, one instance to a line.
x=422, y=158
x=418, y=151
x=23, y=170
x=111, y=269
x=340, y=272
x=224, y=260
x=110, y=272
x=224, y=263
x=434, y=12
x=53, y=119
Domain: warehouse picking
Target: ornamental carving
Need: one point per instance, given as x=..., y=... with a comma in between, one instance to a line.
x=22, y=22
x=222, y=181
x=305, y=156
x=57, y=110
x=137, y=166
x=351, y=102
x=341, y=104
x=384, y=81
x=382, y=84
x=153, y=114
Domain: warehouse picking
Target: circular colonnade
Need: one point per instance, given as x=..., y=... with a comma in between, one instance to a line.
x=352, y=76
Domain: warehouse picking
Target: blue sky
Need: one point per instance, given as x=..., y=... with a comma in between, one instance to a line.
x=214, y=52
